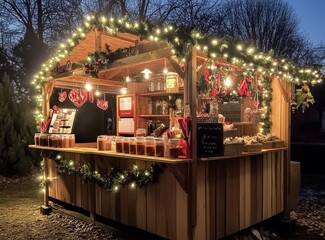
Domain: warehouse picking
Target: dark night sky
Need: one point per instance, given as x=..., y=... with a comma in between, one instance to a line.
x=311, y=14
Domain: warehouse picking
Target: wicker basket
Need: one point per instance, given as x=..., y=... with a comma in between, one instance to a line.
x=267, y=145
x=278, y=144
x=253, y=147
x=233, y=149
x=230, y=133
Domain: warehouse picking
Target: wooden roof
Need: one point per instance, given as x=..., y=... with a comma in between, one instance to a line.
x=149, y=54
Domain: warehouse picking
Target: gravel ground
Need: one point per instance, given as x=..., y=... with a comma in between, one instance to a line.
x=20, y=218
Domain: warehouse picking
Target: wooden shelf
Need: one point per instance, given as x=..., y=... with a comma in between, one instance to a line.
x=94, y=151
x=154, y=116
x=243, y=154
x=158, y=93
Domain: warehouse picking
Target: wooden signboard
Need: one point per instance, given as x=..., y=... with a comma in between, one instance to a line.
x=209, y=139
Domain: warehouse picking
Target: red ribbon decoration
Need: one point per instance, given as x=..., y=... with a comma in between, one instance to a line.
x=243, y=88
x=214, y=91
x=206, y=74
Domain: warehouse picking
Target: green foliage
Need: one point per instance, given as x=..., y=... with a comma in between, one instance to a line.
x=113, y=180
x=15, y=132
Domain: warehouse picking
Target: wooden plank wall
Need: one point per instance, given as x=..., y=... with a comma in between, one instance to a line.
x=280, y=105
x=69, y=189
x=160, y=208
x=235, y=194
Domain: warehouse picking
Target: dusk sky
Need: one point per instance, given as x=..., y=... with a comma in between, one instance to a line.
x=311, y=14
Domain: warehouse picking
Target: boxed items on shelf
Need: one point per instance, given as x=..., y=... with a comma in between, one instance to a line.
x=252, y=144
x=233, y=146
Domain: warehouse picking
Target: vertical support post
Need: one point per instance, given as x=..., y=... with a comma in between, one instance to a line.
x=190, y=100
x=287, y=160
x=92, y=190
x=46, y=190
x=98, y=40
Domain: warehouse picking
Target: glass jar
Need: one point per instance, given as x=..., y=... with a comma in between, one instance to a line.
x=60, y=141
x=101, y=142
x=159, y=147
x=44, y=140
x=140, y=146
x=108, y=145
x=133, y=145
x=150, y=146
x=126, y=145
x=119, y=144
x=173, y=146
x=37, y=137
x=49, y=140
x=55, y=140
x=65, y=141
x=72, y=140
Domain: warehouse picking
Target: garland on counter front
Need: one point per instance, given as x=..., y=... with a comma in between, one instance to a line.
x=113, y=180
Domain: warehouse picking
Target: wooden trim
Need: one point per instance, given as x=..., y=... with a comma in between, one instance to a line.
x=142, y=58
x=180, y=173
x=284, y=93
x=83, y=79
x=176, y=67
x=94, y=151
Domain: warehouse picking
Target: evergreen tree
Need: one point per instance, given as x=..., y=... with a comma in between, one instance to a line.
x=14, y=131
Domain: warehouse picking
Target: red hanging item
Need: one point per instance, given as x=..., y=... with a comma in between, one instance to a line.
x=62, y=96
x=91, y=96
x=78, y=97
x=102, y=104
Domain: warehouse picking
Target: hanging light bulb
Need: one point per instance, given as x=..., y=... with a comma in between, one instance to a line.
x=146, y=73
x=228, y=82
x=124, y=90
x=165, y=70
x=97, y=93
x=128, y=79
x=88, y=86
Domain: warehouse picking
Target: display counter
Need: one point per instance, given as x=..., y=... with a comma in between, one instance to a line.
x=233, y=192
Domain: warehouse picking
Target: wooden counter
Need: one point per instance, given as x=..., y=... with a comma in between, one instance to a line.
x=233, y=192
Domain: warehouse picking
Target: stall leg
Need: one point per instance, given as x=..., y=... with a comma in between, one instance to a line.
x=45, y=209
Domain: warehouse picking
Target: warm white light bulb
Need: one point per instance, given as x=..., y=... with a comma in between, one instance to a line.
x=165, y=70
x=88, y=87
x=124, y=90
x=228, y=82
x=127, y=79
x=97, y=93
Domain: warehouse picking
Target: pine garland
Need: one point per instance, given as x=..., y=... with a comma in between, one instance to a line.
x=113, y=180
x=266, y=105
x=101, y=60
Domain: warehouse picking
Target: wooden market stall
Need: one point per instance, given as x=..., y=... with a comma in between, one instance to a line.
x=199, y=197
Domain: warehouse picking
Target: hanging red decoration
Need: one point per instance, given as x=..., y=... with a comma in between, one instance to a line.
x=62, y=96
x=78, y=96
x=91, y=96
x=102, y=104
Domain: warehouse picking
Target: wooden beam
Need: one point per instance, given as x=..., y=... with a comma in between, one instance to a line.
x=176, y=67
x=139, y=59
x=180, y=173
x=98, y=40
x=83, y=79
x=284, y=93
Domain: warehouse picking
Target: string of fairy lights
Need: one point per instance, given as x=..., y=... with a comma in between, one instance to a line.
x=182, y=40
x=113, y=180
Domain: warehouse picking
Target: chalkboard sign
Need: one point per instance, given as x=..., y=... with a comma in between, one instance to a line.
x=209, y=139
